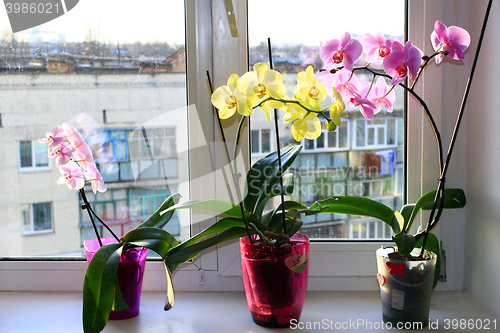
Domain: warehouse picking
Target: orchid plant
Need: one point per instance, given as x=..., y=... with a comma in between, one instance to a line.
x=101, y=291
x=263, y=88
x=391, y=63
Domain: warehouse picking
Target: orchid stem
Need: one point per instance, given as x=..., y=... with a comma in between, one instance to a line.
x=234, y=175
x=430, y=224
x=278, y=148
x=86, y=206
x=91, y=212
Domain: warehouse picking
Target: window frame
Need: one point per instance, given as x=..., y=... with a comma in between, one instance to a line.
x=218, y=268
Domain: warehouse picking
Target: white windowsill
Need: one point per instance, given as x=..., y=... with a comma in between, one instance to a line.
x=224, y=312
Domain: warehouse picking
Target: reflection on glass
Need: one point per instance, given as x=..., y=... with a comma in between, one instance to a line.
x=362, y=156
x=121, y=81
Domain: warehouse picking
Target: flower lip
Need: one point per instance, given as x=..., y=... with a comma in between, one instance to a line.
x=384, y=51
x=231, y=101
x=337, y=57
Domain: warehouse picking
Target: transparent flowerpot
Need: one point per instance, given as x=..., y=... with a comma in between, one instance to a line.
x=130, y=274
x=275, y=292
x=405, y=288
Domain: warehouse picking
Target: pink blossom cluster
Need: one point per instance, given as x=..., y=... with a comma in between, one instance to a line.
x=73, y=158
x=398, y=61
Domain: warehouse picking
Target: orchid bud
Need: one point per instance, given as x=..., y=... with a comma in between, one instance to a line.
x=330, y=126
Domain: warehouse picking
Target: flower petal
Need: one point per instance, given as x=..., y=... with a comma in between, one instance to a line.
x=299, y=129
x=313, y=129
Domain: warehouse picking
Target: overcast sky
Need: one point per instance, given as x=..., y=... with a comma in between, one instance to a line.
x=291, y=21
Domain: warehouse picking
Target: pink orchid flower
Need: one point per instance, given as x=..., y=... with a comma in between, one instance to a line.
x=72, y=175
x=83, y=156
x=454, y=40
x=399, y=64
x=94, y=177
x=396, y=45
x=54, y=137
x=343, y=81
x=366, y=107
x=73, y=136
x=62, y=152
x=341, y=52
x=376, y=46
x=381, y=95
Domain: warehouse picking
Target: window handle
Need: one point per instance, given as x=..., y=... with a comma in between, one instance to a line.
x=233, y=26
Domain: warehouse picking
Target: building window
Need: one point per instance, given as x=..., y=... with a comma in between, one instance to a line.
x=112, y=146
x=152, y=143
x=124, y=209
x=36, y=218
x=126, y=155
x=32, y=156
x=329, y=141
x=377, y=133
x=260, y=141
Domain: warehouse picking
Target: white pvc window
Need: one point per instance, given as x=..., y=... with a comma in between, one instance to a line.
x=332, y=265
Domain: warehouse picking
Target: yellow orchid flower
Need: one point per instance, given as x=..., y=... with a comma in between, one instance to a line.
x=308, y=90
x=304, y=125
x=337, y=108
x=262, y=83
x=309, y=128
x=228, y=99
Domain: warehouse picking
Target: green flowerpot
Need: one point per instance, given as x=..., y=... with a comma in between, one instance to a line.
x=405, y=288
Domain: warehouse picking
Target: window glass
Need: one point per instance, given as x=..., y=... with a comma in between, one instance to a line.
x=363, y=155
x=117, y=72
x=25, y=153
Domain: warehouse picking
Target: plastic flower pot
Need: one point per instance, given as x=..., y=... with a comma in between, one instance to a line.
x=130, y=274
x=275, y=280
x=405, y=288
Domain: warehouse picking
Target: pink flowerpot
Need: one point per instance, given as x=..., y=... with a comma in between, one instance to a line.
x=130, y=274
x=275, y=293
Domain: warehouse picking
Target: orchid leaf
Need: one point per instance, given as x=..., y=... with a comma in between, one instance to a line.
x=119, y=303
x=182, y=254
x=185, y=247
x=432, y=245
x=288, y=184
x=157, y=219
x=453, y=198
x=275, y=220
x=99, y=287
x=405, y=243
x=296, y=227
x=169, y=302
x=218, y=206
x=161, y=242
x=406, y=212
x=155, y=239
x=359, y=206
x=263, y=176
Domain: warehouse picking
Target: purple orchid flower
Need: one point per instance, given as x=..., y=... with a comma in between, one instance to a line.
x=399, y=64
x=341, y=52
x=454, y=40
x=376, y=46
x=366, y=107
x=381, y=95
x=72, y=175
x=343, y=81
